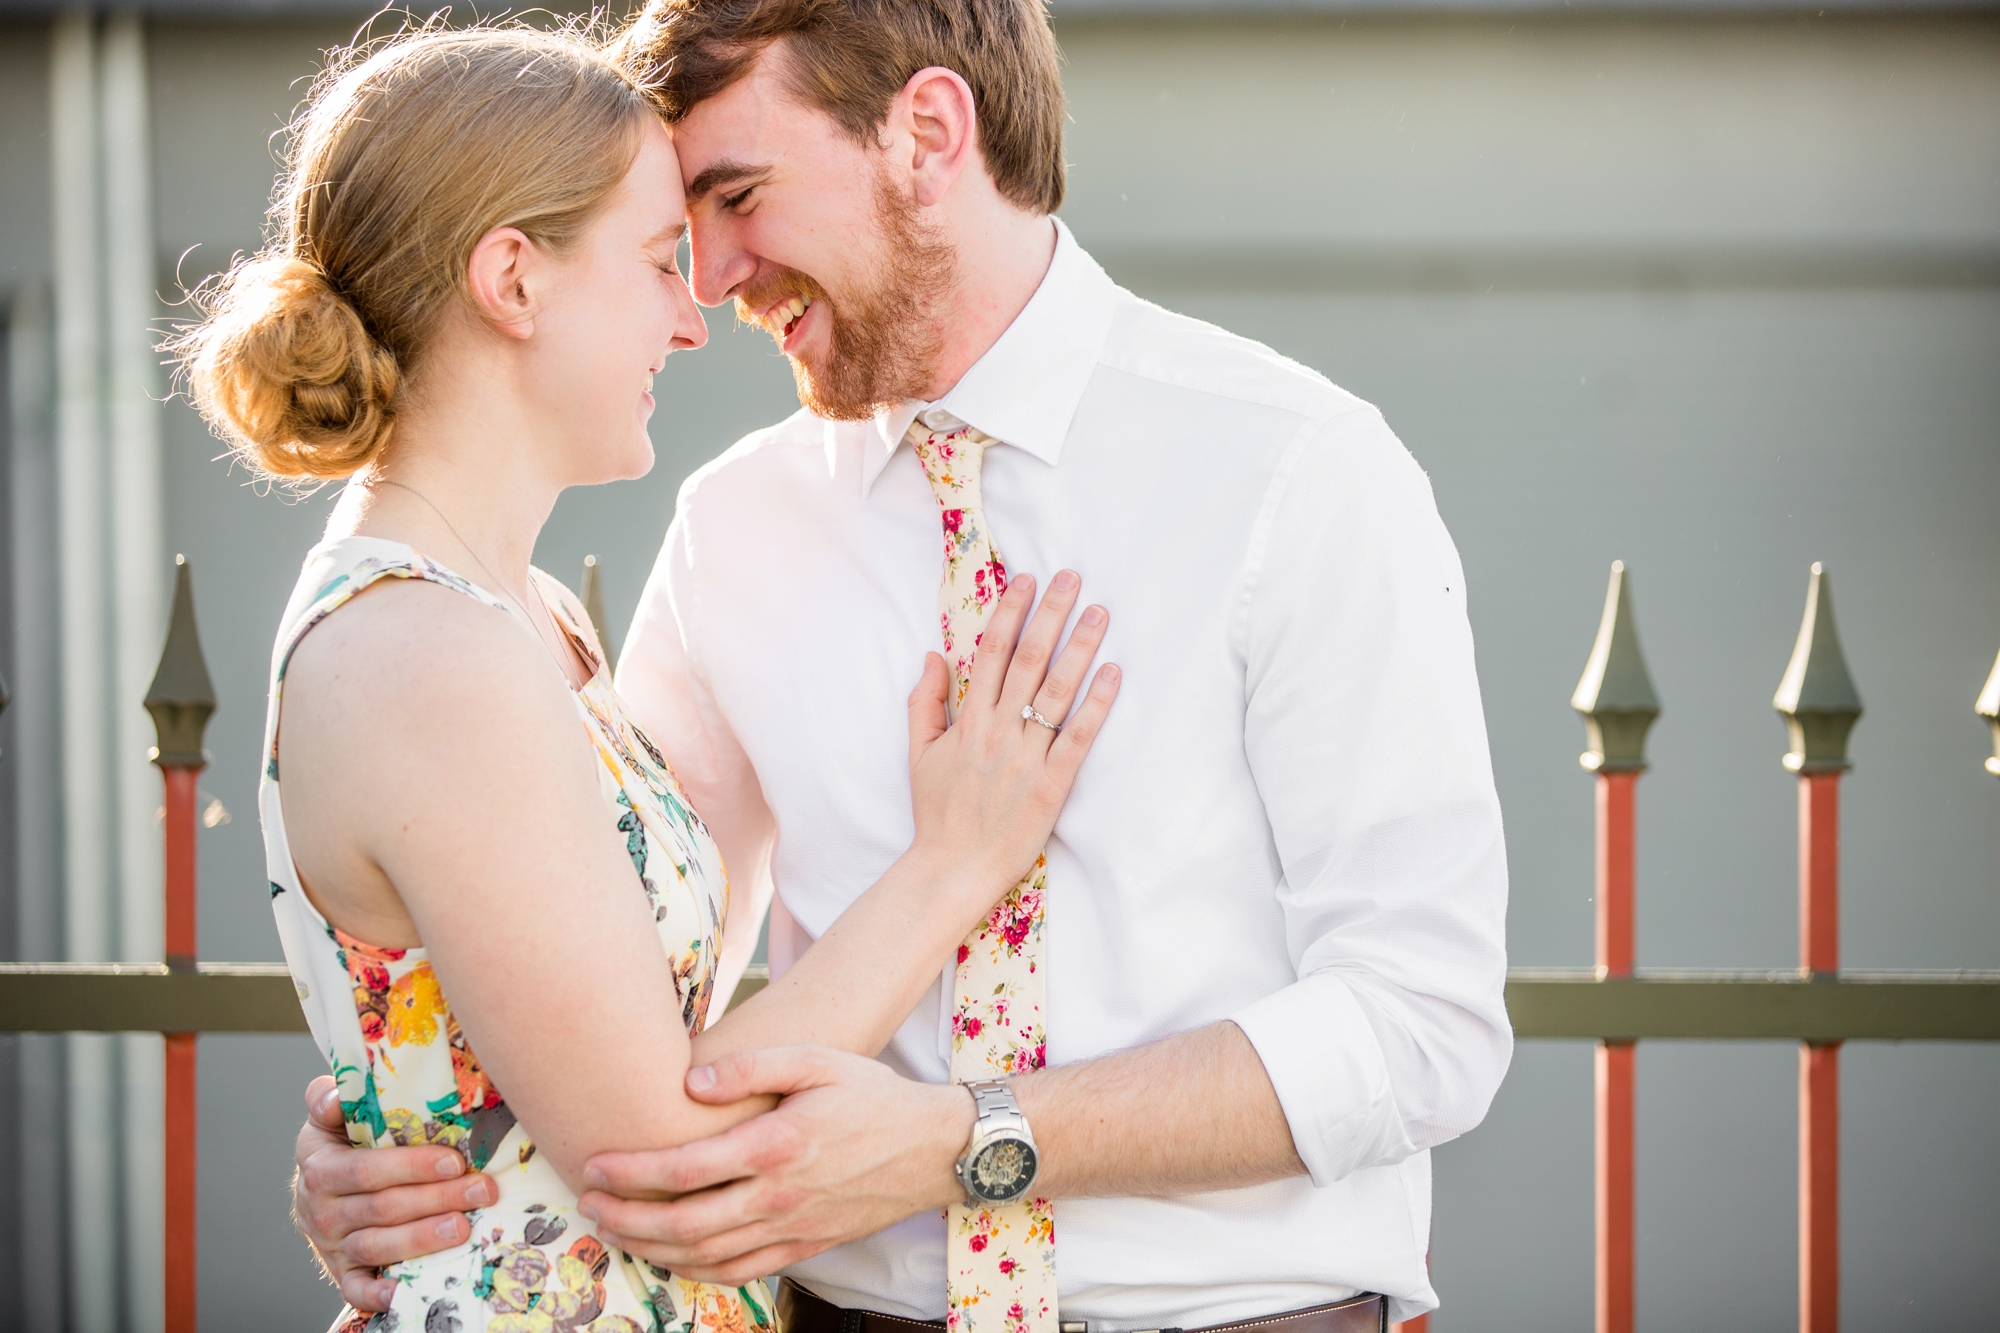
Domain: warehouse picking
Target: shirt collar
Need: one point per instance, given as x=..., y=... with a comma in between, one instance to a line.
x=1024, y=391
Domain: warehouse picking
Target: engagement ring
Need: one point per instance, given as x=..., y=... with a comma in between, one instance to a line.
x=1028, y=714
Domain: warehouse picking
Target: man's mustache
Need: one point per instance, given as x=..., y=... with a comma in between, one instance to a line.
x=753, y=302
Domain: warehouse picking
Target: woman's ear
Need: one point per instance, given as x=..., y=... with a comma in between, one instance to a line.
x=937, y=109
x=505, y=274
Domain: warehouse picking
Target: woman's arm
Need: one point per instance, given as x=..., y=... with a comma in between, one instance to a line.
x=985, y=806
x=440, y=787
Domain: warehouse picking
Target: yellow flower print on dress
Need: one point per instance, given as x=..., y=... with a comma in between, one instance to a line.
x=414, y=1004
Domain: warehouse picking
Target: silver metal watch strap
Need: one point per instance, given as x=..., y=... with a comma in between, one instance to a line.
x=993, y=1098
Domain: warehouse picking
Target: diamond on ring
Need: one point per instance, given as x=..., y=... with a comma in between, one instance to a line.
x=1028, y=714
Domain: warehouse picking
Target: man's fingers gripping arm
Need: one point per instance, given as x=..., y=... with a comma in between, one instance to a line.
x=366, y=1208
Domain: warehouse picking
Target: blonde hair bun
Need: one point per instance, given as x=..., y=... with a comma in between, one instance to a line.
x=286, y=367
x=406, y=152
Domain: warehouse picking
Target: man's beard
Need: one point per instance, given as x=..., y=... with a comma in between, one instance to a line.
x=886, y=339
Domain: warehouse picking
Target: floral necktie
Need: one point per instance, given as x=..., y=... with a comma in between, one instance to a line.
x=1000, y=1261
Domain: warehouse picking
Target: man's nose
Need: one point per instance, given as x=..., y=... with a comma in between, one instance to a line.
x=717, y=264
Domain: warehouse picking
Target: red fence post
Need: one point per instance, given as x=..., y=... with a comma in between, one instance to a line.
x=1618, y=704
x=1616, y=1248
x=181, y=700
x=181, y=1118
x=1820, y=706
x=1819, y=1065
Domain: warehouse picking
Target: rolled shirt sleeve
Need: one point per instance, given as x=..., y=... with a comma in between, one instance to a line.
x=1367, y=738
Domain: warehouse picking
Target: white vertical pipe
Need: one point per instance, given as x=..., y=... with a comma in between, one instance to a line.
x=138, y=548
x=40, y=1210
x=88, y=836
x=139, y=592
x=80, y=483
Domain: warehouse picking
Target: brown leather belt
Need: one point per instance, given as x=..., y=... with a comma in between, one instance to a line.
x=799, y=1311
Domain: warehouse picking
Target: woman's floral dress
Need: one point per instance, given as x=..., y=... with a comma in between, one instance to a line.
x=407, y=1074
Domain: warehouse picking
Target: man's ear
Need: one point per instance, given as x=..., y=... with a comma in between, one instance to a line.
x=936, y=108
x=505, y=274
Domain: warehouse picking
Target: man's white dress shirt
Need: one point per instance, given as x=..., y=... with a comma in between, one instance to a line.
x=1289, y=820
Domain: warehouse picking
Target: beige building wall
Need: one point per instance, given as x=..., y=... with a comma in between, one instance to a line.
x=1716, y=295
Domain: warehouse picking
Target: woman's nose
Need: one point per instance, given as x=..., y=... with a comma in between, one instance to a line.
x=693, y=329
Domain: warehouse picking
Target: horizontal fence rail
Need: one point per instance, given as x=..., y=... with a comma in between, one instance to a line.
x=141, y=997
x=1543, y=1003
x=1755, y=1006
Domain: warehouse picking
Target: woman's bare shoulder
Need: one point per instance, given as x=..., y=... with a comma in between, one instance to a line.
x=407, y=660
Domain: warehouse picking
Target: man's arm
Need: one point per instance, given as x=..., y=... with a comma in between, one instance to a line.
x=1083, y=1116
x=1365, y=732
x=820, y=1171
x=1367, y=736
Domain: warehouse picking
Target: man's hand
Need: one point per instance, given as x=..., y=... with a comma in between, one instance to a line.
x=851, y=1149
x=366, y=1208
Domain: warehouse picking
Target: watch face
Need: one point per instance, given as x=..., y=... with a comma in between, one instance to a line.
x=1002, y=1171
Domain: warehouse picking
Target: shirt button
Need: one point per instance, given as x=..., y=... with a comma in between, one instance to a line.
x=939, y=419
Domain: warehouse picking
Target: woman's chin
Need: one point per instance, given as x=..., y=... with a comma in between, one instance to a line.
x=639, y=460
x=630, y=463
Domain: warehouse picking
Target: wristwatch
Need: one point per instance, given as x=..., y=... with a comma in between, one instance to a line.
x=1000, y=1164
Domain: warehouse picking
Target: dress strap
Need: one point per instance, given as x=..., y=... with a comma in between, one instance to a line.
x=337, y=572
x=334, y=574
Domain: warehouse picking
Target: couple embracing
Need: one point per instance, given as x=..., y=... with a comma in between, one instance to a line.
x=1105, y=998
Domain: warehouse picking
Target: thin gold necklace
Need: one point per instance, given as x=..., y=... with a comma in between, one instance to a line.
x=497, y=581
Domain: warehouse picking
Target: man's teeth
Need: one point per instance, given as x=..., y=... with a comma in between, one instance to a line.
x=788, y=312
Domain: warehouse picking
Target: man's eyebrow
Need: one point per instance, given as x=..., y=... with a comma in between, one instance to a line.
x=726, y=172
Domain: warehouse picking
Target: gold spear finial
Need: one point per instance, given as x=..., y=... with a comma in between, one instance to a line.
x=1988, y=707
x=1616, y=694
x=1817, y=697
x=181, y=697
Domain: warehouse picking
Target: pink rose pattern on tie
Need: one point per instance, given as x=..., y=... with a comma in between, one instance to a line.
x=1000, y=1262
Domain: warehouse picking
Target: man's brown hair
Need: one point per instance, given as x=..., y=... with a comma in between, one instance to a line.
x=850, y=58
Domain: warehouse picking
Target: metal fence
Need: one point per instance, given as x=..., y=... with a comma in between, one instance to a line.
x=1818, y=1005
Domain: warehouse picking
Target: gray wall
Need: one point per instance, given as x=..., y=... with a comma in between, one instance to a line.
x=1716, y=296
x=1689, y=295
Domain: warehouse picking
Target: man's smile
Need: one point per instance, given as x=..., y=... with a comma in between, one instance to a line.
x=782, y=317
